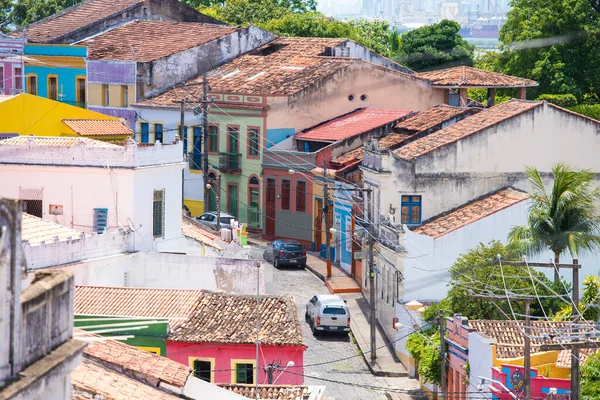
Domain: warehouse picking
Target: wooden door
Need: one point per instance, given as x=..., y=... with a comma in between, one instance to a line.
x=318, y=226
x=270, y=207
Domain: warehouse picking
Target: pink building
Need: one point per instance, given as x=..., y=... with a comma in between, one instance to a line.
x=457, y=338
x=218, y=341
x=511, y=376
x=11, y=65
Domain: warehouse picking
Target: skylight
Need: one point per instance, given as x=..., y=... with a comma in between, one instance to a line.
x=295, y=68
x=256, y=76
x=229, y=75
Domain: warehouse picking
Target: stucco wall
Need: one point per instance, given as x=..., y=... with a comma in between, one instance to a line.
x=481, y=356
x=222, y=356
x=325, y=100
x=354, y=50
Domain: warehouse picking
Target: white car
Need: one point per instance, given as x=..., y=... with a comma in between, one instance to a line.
x=210, y=219
x=328, y=313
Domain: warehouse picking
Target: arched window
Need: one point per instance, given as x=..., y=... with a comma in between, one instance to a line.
x=253, y=202
x=212, y=193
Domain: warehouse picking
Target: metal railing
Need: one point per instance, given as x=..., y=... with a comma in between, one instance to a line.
x=230, y=162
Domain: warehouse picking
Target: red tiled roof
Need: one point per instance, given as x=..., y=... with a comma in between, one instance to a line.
x=194, y=230
x=138, y=364
x=152, y=40
x=564, y=357
x=58, y=141
x=74, y=18
x=458, y=77
x=91, y=380
x=509, y=334
x=387, y=142
x=272, y=392
x=352, y=124
x=230, y=318
x=37, y=230
x=98, y=127
x=176, y=305
x=471, y=212
x=432, y=117
x=468, y=126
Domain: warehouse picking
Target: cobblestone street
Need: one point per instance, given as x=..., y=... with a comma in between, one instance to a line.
x=302, y=284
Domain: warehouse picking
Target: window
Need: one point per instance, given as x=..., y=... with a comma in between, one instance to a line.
x=100, y=220
x=18, y=80
x=81, y=99
x=106, y=96
x=285, y=194
x=213, y=139
x=411, y=210
x=334, y=310
x=32, y=84
x=124, y=96
x=158, y=133
x=158, y=214
x=33, y=207
x=53, y=88
x=197, y=139
x=203, y=370
x=2, y=80
x=253, y=142
x=244, y=373
x=232, y=198
x=301, y=196
x=185, y=139
x=233, y=135
x=145, y=129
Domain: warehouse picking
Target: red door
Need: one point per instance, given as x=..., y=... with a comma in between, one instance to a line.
x=270, y=207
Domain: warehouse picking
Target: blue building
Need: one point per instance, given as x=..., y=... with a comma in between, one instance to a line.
x=343, y=207
x=57, y=72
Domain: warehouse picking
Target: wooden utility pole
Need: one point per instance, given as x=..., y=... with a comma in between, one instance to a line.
x=327, y=224
x=205, y=102
x=526, y=338
x=181, y=138
x=218, y=201
x=372, y=319
x=575, y=367
x=443, y=354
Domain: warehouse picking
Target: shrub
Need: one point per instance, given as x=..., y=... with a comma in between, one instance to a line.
x=561, y=100
x=592, y=111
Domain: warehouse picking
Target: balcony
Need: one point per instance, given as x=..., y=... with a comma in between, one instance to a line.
x=195, y=161
x=230, y=162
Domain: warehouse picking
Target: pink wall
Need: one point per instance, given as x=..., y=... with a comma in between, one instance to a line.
x=539, y=384
x=10, y=58
x=223, y=354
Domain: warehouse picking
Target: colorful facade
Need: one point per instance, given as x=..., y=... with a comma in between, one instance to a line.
x=57, y=72
x=511, y=376
x=11, y=65
x=26, y=114
x=112, y=88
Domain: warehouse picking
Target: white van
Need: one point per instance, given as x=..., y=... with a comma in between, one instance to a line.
x=328, y=313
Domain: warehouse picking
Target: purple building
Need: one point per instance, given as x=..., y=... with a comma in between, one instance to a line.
x=11, y=65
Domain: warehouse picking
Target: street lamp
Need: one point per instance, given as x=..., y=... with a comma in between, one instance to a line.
x=290, y=364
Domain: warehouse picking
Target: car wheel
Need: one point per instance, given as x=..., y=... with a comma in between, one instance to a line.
x=302, y=266
x=306, y=316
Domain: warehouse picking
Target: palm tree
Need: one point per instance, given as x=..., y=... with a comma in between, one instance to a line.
x=566, y=218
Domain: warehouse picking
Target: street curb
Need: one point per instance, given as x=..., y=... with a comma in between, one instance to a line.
x=316, y=273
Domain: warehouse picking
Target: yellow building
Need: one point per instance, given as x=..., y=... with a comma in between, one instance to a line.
x=27, y=114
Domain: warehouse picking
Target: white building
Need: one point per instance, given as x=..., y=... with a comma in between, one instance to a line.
x=94, y=186
x=445, y=192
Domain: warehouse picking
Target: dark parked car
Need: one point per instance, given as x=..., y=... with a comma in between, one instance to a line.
x=286, y=252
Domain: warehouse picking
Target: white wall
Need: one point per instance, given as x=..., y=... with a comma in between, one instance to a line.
x=164, y=270
x=480, y=363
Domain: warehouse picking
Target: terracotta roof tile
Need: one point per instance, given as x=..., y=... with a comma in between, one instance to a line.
x=58, y=141
x=194, y=230
x=386, y=142
x=91, y=380
x=352, y=124
x=74, y=18
x=137, y=364
x=98, y=127
x=466, y=127
x=430, y=118
x=471, y=212
x=229, y=318
x=152, y=40
x=37, y=230
x=509, y=334
x=564, y=357
x=472, y=77
x=176, y=305
x=271, y=392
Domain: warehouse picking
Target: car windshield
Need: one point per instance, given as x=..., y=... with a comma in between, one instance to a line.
x=292, y=247
x=334, y=310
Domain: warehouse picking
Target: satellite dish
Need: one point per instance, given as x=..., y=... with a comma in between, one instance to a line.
x=131, y=225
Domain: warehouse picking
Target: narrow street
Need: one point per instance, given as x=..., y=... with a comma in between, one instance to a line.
x=323, y=350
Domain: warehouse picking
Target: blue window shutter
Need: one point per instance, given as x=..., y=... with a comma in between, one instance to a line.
x=145, y=131
x=100, y=220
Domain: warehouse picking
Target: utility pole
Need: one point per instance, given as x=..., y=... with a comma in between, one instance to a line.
x=526, y=338
x=218, y=201
x=575, y=367
x=270, y=374
x=327, y=224
x=181, y=137
x=442, y=320
x=257, y=324
x=372, y=319
x=205, y=102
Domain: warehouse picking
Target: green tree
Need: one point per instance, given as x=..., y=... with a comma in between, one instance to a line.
x=310, y=24
x=25, y=12
x=424, y=347
x=566, y=218
x=435, y=46
x=478, y=272
x=590, y=378
x=589, y=306
x=556, y=43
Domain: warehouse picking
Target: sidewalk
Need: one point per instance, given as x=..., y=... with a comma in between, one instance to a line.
x=339, y=281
